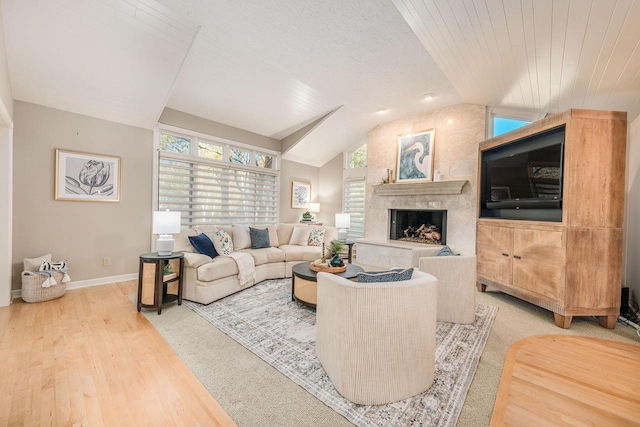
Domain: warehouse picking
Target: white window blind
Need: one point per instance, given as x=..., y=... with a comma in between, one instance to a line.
x=354, y=205
x=214, y=192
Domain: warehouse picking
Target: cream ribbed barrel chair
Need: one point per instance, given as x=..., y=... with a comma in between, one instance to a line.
x=376, y=341
x=456, y=286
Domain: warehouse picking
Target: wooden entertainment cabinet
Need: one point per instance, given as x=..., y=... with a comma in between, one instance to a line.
x=572, y=267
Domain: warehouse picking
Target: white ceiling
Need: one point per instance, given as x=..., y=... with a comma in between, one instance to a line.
x=273, y=66
x=542, y=55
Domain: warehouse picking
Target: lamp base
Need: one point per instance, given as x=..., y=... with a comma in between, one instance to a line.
x=164, y=245
x=342, y=234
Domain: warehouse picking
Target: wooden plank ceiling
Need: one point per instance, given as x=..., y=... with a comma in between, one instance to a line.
x=542, y=55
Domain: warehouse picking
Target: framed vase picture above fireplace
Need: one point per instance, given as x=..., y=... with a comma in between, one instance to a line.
x=415, y=156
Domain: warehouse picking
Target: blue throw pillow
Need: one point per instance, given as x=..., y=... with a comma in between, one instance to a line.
x=259, y=238
x=446, y=251
x=203, y=244
x=385, y=276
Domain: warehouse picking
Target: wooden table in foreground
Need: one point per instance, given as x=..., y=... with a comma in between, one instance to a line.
x=564, y=380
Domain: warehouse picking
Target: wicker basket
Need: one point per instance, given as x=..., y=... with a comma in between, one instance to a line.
x=32, y=290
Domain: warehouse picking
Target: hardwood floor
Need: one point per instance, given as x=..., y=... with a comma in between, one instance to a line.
x=90, y=359
x=563, y=380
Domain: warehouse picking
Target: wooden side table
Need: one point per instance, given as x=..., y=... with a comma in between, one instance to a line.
x=349, y=244
x=161, y=281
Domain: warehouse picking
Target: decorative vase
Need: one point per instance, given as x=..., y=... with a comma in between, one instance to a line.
x=336, y=260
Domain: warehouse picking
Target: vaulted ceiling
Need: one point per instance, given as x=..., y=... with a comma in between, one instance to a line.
x=274, y=66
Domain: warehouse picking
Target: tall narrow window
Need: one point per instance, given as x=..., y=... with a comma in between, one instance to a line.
x=354, y=192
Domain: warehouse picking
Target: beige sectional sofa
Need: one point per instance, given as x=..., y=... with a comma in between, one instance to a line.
x=209, y=279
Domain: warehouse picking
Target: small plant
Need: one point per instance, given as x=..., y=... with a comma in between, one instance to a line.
x=335, y=246
x=307, y=215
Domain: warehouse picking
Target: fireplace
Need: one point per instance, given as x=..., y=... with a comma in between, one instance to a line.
x=418, y=226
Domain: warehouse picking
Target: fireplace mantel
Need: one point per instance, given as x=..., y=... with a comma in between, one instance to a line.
x=420, y=188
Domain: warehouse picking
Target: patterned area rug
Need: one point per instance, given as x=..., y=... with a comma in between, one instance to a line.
x=281, y=332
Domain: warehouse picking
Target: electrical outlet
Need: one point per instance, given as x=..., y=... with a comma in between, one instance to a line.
x=106, y=261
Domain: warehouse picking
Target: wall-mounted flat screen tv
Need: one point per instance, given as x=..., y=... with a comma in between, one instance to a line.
x=523, y=179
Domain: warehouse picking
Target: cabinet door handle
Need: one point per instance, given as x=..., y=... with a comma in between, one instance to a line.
x=503, y=254
x=516, y=256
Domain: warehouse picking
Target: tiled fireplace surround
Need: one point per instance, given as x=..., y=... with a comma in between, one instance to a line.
x=458, y=132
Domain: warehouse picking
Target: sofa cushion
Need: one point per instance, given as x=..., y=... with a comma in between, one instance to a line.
x=385, y=276
x=203, y=245
x=265, y=255
x=241, y=236
x=300, y=236
x=259, y=238
x=301, y=253
x=284, y=233
x=181, y=241
x=316, y=236
x=218, y=268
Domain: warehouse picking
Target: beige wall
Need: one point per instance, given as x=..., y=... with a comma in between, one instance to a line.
x=209, y=127
x=458, y=132
x=293, y=171
x=632, y=216
x=80, y=232
x=330, y=192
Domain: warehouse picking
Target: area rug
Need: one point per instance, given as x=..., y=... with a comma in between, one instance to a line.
x=282, y=332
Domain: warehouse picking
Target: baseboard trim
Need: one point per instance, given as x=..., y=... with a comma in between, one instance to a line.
x=17, y=293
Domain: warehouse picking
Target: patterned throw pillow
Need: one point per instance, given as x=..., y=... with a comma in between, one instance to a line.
x=203, y=244
x=259, y=238
x=47, y=265
x=316, y=236
x=222, y=242
x=446, y=251
x=385, y=276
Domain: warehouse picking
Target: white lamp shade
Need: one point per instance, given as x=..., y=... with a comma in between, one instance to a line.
x=343, y=220
x=166, y=222
x=314, y=207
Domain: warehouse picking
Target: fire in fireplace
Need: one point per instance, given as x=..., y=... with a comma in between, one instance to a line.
x=419, y=226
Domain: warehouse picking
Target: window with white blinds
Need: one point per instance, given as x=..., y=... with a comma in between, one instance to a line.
x=209, y=191
x=353, y=204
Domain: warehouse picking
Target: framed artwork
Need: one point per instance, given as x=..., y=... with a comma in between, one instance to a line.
x=87, y=177
x=300, y=195
x=415, y=156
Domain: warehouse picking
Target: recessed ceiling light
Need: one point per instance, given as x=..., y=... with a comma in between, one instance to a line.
x=382, y=110
x=427, y=96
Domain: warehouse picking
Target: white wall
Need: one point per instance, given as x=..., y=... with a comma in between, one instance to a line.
x=6, y=194
x=330, y=189
x=632, y=214
x=294, y=171
x=6, y=172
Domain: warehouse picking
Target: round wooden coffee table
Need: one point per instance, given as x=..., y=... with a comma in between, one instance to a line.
x=304, y=282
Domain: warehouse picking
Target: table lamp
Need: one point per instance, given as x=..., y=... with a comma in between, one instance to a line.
x=165, y=223
x=314, y=208
x=343, y=221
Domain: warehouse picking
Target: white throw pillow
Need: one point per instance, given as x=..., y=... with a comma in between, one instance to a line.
x=300, y=236
x=241, y=237
x=33, y=264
